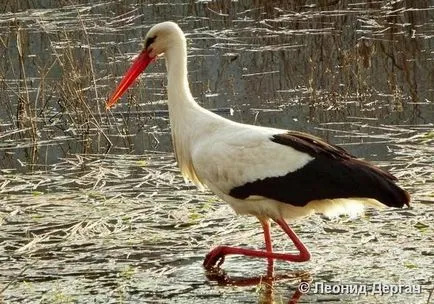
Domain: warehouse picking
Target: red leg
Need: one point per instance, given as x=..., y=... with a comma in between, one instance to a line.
x=304, y=254
x=268, y=245
x=217, y=255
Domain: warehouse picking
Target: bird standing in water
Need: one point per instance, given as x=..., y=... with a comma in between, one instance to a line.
x=269, y=173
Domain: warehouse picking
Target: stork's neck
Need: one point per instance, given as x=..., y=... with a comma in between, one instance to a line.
x=183, y=110
x=179, y=94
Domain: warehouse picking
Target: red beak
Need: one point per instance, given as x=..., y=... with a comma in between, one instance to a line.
x=138, y=66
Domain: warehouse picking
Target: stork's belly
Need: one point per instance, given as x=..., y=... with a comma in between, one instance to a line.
x=264, y=207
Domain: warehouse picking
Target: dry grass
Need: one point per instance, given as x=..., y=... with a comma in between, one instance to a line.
x=90, y=224
x=79, y=224
x=57, y=66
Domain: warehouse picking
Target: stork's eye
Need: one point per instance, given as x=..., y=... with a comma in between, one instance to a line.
x=149, y=41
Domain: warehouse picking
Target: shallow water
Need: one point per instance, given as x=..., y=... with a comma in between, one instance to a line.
x=87, y=216
x=109, y=229
x=353, y=63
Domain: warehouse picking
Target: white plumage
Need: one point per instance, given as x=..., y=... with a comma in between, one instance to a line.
x=266, y=172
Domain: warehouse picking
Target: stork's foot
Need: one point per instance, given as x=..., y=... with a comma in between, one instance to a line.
x=215, y=258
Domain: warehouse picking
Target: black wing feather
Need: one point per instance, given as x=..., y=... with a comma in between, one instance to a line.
x=333, y=173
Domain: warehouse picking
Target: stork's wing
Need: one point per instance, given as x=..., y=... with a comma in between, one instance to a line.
x=291, y=167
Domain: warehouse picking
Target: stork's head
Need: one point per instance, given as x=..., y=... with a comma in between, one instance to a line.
x=160, y=39
x=163, y=36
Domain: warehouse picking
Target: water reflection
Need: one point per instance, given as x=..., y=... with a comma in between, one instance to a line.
x=265, y=283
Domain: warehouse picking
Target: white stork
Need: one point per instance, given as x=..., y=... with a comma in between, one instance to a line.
x=269, y=173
